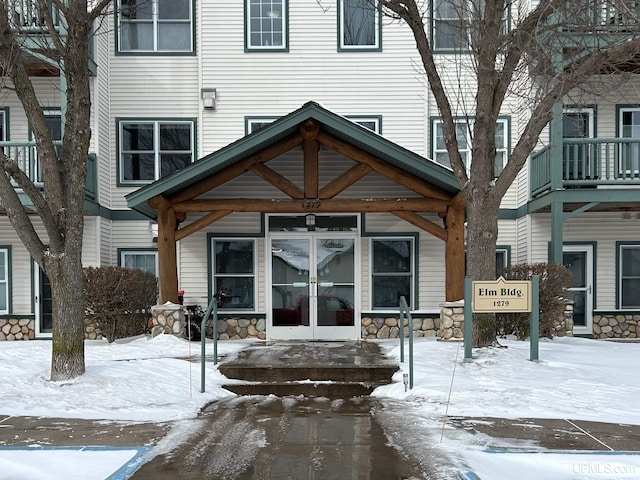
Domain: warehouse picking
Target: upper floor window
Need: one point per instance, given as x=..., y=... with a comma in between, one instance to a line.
x=234, y=272
x=150, y=150
x=358, y=25
x=4, y=280
x=392, y=272
x=629, y=128
x=266, y=25
x=451, y=20
x=155, y=26
x=253, y=124
x=4, y=124
x=145, y=260
x=629, y=276
x=373, y=123
x=464, y=134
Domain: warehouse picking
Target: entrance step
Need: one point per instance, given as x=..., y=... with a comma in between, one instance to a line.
x=327, y=369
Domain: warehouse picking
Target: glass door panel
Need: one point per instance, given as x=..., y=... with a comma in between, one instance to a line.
x=290, y=286
x=578, y=259
x=335, y=273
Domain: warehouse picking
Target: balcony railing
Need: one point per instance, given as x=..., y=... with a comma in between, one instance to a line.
x=26, y=15
x=609, y=15
x=26, y=156
x=589, y=162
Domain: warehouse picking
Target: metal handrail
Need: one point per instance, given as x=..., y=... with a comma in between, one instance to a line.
x=404, y=310
x=213, y=307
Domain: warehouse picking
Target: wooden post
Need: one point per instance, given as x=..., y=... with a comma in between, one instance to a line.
x=167, y=260
x=310, y=148
x=454, y=253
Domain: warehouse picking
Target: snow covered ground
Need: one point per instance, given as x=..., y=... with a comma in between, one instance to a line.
x=147, y=379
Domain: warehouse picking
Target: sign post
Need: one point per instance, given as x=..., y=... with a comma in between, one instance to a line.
x=510, y=296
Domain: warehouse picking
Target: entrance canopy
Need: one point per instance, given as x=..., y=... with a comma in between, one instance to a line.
x=310, y=161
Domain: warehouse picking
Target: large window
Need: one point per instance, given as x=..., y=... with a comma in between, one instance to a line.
x=234, y=273
x=451, y=20
x=629, y=128
x=629, y=275
x=358, y=25
x=4, y=280
x=464, y=134
x=150, y=150
x=392, y=272
x=266, y=25
x=155, y=26
x=141, y=259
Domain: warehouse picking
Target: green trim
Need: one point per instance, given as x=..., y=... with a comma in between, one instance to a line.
x=415, y=238
x=285, y=31
x=358, y=48
x=619, y=246
x=154, y=53
x=9, y=279
x=154, y=121
x=333, y=124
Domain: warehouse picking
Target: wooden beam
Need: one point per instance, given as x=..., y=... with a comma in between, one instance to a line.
x=274, y=178
x=385, y=169
x=344, y=181
x=310, y=149
x=454, y=254
x=167, y=260
x=237, y=169
x=422, y=223
x=201, y=223
x=414, y=204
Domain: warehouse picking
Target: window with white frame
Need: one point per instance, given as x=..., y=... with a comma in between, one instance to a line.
x=358, y=25
x=464, y=134
x=392, y=272
x=4, y=124
x=4, y=280
x=145, y=260
x=155, y=26
x=502, y=260
x=266, y=24
x=253, y=124
x=577, y=123
x=629, y=276
x=150, y=150
x=373, y=123
x=451, y=20
x=629, y=128
x=234, y=273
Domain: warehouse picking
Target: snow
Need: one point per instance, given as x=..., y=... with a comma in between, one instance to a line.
x=151, y=380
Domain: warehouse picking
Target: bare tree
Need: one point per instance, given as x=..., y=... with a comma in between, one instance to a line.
x=57, y=33
x=530, y=52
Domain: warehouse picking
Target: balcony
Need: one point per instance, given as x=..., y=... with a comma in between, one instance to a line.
x=26, y=156
x=588, y=163
x=26, y=16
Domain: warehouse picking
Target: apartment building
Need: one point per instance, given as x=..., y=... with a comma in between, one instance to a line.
x=289, y=157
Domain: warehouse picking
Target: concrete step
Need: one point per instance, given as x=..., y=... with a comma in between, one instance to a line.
x=307, y=389
x=378, y=374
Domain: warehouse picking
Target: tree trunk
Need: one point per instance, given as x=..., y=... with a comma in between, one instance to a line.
x=482, y=234
x=67, y=359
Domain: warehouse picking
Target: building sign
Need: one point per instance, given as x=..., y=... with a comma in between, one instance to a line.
x=501, y=296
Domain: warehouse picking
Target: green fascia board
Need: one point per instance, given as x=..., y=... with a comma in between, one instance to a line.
x=334, y=124
x=585, y=196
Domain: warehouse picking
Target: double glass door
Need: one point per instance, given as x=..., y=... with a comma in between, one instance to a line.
x=313, y=290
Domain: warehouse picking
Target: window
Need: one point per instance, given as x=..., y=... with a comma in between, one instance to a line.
x=150, y=150
x=266, y=25
x=253, y=124
x=502, y=259
x=4, y=280
x=4, y=124
x=373, y=123
x=464, y=129
x=629, y=275
x=451, y=20
x=358, y=25
x=53, y=120
x=577, y=123
x=155, y=26
x=145, y=260
x=629, y=127
x=392, y=274
x=234, y=273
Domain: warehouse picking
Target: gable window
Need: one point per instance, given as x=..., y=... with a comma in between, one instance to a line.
x=392, y=273
x=373, y=123
x=155, y=26
x=464, y=134
x=629, y=128
x=145, y=260
x=451, y=20
x=150, y=150
x=234, y=273
x=358, y=25
x=4, y=280
x=266, y=25
x=629, y=276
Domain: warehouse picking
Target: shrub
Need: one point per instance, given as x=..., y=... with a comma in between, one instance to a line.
x=555, y=280
x=118, y=300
